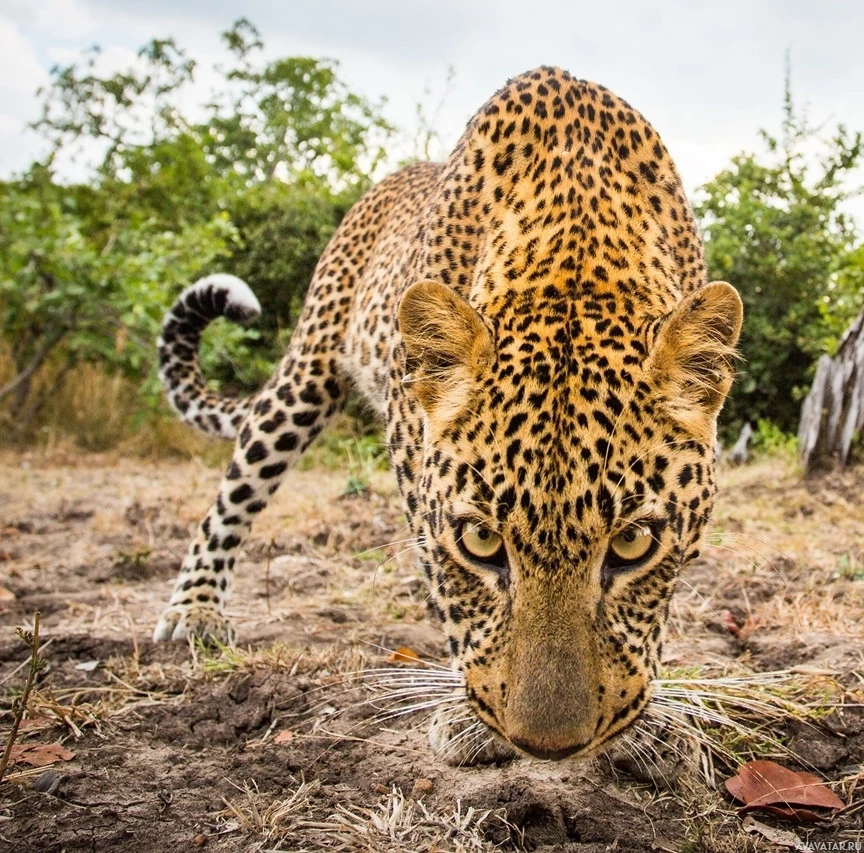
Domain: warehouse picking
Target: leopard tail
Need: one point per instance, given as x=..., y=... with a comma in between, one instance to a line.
x=211, y=297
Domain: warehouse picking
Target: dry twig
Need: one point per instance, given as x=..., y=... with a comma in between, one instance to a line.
x=19, y=705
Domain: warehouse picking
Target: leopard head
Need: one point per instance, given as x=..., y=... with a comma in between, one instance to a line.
x=567, y=476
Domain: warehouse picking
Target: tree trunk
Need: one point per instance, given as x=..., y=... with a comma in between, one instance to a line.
x=833, y=412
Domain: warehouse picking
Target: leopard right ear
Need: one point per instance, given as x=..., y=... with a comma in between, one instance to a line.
x=446, y=342
x=693, y=359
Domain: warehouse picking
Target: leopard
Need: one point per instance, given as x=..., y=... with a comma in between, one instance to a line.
x=533, y=320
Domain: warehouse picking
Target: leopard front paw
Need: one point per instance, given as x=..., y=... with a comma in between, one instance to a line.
x=459, y=739
x=198, y=622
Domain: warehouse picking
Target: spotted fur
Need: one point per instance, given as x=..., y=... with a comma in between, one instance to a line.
x=532, y=319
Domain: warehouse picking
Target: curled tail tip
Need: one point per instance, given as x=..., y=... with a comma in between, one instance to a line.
x=213, y=296
x=222, y=294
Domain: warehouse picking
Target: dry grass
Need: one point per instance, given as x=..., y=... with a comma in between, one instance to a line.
x=272, y=822
x=93, y=406
x=735, y=718
x=129, y=686
x=784, y=558
x=90, y=408
x=396, y=824
x=333, y=663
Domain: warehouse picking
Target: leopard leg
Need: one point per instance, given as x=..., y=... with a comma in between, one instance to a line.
x=290, y=411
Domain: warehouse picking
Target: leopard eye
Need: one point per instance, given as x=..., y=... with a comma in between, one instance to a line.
x=632, y=545
x=479, y=542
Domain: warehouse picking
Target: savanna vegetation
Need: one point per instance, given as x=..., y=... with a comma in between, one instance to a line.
x=255, y=180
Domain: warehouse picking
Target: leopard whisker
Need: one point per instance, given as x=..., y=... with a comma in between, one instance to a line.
x=467, y=735
x=642, y=755
x=411, y=540
x=478, y=749
x=395, y=713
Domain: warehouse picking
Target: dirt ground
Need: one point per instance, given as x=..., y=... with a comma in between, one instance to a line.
x=274, y=746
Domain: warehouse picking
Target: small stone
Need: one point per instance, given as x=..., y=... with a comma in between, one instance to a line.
x=381, y=789
x=421, y=787
x=199, y=840
x=47, y=782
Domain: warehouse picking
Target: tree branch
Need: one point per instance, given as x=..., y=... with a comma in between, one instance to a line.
x=35, y=363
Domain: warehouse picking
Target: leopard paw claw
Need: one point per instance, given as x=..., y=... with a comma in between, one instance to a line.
x=200, y=623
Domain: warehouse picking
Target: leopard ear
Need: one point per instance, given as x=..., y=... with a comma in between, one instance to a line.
x=445, y=341
x=693, y=357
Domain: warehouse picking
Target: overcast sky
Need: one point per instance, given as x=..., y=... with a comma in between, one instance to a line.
x=707, y=75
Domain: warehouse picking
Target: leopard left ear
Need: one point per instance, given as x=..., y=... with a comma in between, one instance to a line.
x=445, y=343
x=693, y=357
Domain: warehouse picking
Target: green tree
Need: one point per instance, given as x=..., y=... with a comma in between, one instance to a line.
x=775, y=227
x=291, y=119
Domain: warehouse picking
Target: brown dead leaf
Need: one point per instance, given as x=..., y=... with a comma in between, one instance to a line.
x=735, y=787
x=404, y=655
x=774, y=788
x=39, y=754
x=6, y=595
x=284, y=736
x=421, y=788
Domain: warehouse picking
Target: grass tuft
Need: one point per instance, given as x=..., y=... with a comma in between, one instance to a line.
x=305, y=821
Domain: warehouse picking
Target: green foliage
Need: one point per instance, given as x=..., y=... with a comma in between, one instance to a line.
x=291, y=119
x=365, y=455
x=775, y=228
x=284, y=228
x=850, y=567
x=257, y=186
x=353, y=440
x=770, y=440
x=77, y=296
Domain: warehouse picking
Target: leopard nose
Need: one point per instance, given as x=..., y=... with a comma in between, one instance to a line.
x=547, y=754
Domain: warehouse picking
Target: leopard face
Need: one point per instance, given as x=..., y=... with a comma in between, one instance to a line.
x=565, y=484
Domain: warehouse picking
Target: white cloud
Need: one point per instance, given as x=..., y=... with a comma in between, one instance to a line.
x=65, y=19
x=20, y=69
x=21, y=73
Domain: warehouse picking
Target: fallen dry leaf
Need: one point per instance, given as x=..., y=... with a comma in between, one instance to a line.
x=5, y=594
x=774, y=788
x=404, y=655
x=781, y=837
x=421, y=787
x=284, y=736
x=39, y=754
